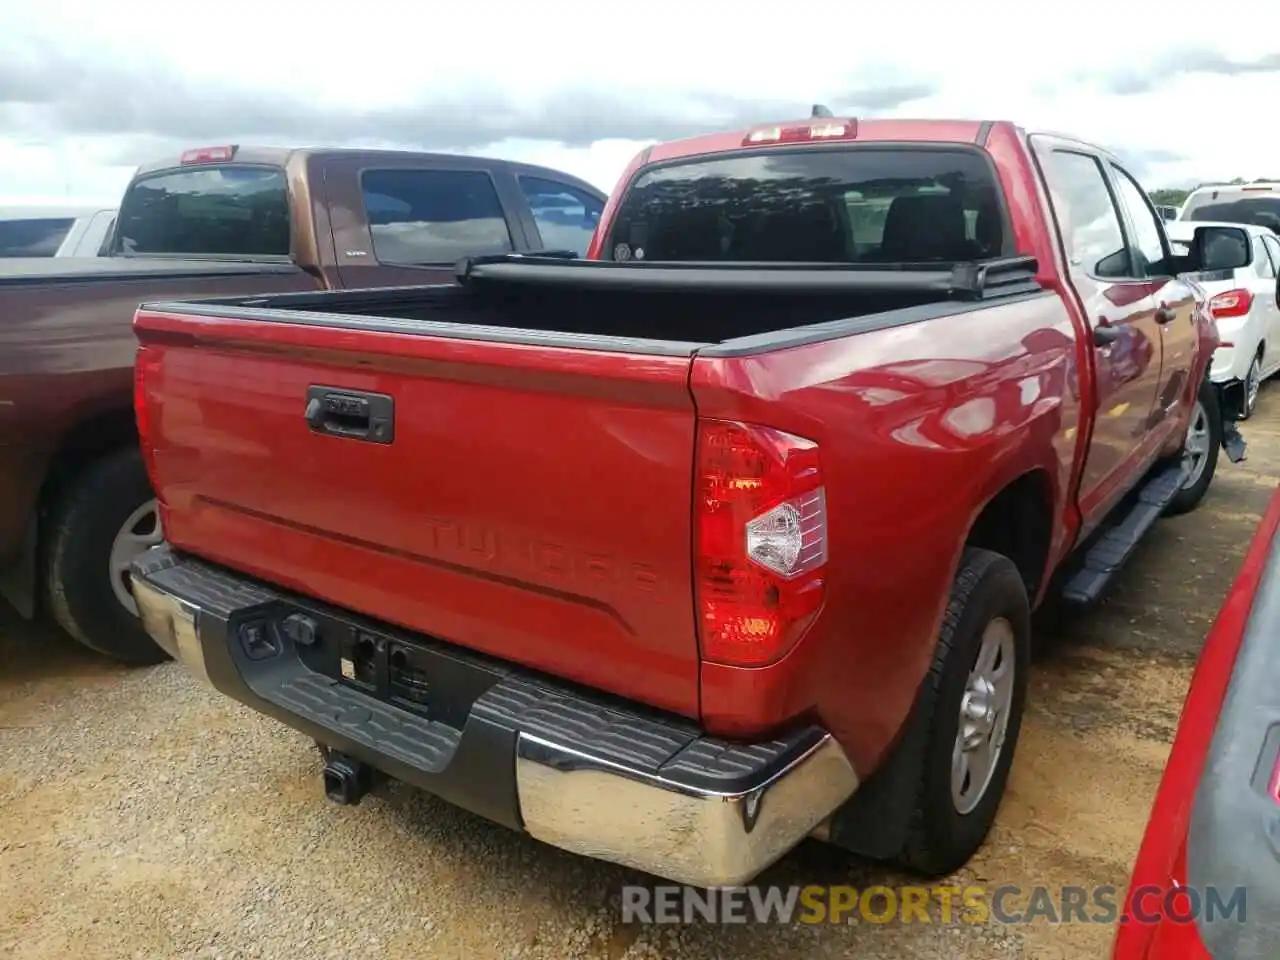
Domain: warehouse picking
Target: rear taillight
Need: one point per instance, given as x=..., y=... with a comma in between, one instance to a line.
x=1231, y=303
x=209, y=155
x=829, y=129
x=761, y=547
x=145, y=363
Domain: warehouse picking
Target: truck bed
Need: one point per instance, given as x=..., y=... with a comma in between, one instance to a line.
x=671, y=309
x=505, y=463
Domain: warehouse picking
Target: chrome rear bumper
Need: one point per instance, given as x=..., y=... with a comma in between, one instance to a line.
x=590, y=776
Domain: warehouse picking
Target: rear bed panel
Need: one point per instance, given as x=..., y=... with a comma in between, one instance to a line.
x=534, y=505
x=917, y=426
x=67, y=350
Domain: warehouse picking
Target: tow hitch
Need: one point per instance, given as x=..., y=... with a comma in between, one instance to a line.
x=346, y=780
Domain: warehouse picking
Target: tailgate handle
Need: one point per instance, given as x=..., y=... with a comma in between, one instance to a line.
x=352, y=414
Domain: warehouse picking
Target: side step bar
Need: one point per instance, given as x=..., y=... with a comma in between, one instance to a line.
x=1115, y=546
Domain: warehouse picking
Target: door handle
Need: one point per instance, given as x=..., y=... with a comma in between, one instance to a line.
x=1165, y=314
x=352, y=414
x=1104, y=334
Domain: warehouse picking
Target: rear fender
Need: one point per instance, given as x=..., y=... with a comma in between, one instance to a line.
x=874, y=821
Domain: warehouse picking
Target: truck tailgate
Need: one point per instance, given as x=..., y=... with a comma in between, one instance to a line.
x=528, y=502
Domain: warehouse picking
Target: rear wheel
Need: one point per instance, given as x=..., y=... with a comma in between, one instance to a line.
x=975, y=693
x=1199, y=451
x=100, y=524
x=1252, y=386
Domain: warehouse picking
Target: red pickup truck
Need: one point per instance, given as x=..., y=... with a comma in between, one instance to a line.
x=727, y=535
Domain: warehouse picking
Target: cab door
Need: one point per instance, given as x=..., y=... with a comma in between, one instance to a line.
x=1174, y=299
x=1120, y=306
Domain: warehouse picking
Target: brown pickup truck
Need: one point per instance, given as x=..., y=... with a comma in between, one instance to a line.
x=75, y=503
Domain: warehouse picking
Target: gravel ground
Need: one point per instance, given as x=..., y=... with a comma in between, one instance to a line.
x=145, y=816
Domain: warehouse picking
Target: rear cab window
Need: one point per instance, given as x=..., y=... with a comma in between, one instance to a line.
x=423, y=217
x=852, y=204
x=37, y=237
x=238, y=211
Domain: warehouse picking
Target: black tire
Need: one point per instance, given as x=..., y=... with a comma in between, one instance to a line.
x=83, y=525
x=941, y=839
x=1189, y=497
x=1255, y=370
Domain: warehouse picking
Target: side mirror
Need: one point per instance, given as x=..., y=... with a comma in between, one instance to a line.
x=1221, y=248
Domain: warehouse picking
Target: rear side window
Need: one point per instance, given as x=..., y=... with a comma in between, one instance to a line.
x=229, y=211
x=848, y=205
x=433, y=216
x=1233, y=208
x=566, y=217
x=104, y=249
x=33, y=238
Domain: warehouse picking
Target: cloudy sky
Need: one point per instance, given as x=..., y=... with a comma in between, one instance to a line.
x=89, y=89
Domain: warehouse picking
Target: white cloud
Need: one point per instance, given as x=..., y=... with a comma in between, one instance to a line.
x=87, y=89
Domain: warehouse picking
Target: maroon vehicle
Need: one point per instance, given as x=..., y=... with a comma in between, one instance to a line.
x=1205, y=884
x=75, y=504
x=726, y=535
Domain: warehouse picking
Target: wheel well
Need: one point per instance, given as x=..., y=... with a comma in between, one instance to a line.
x=1017, y=522
x=85, y=442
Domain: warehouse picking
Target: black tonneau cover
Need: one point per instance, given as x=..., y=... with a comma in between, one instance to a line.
x=669, y=309
x=974, y=280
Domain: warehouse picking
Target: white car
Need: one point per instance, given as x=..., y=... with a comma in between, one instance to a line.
x=1234, y=203
x=1244, y=305
x=54, y=231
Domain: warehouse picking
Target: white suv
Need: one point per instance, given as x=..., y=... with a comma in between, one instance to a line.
x=1243, y=304
x=54, y=231
x=1256, y=203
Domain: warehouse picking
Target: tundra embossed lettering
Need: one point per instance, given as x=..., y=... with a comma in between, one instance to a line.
x=484, y=547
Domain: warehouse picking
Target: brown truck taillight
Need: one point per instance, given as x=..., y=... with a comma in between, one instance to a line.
x=145, y=363
x=209, y=155
x=761, y=541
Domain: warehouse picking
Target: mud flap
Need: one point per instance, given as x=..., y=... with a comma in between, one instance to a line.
x=1230, y=407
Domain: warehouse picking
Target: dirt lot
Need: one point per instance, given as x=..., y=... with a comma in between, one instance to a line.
x=145, y=816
